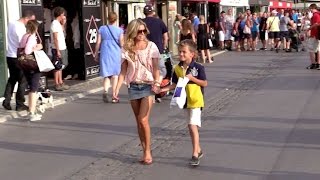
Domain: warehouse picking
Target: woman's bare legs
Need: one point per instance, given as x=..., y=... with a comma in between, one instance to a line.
x=203, y=56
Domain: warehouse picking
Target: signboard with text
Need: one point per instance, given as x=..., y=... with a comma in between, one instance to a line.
x=91, y=16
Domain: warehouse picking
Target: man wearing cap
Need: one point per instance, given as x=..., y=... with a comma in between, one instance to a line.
x=158, y=35
x=273, y=26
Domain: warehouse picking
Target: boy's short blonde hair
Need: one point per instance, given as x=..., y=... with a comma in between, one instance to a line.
x=191, y=45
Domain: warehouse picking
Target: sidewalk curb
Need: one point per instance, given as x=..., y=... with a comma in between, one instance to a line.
x=64, y=100
x=57, y=102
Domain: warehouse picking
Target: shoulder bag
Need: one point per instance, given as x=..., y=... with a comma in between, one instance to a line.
x=113, y=36
x=27, y=62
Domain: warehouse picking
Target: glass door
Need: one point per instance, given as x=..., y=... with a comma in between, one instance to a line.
x=3, y=66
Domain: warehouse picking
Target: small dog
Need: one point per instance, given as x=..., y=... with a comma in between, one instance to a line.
x=45, y=100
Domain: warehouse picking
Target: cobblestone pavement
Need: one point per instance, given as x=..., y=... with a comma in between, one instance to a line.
x=256, y=105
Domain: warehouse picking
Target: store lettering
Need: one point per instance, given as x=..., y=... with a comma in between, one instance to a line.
x=90, y=2
x=28, y=1
x=93, y=36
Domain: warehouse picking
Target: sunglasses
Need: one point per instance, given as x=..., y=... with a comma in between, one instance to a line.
x=142, y=31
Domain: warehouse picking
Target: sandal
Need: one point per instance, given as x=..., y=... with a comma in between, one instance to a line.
x=114, y=100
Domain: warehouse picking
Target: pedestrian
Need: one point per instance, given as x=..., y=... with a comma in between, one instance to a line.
x=140, y=71
x=273, y=23
x=29, y=43
x=284, y=31
x=188, y=67
x=16, y=30
x=229, y=19
x=177, y=27
x=195, y=21
x=59, y=47
x=203, y=40
x=254, y=31
x=236, y=34
x=159, y=35
x=109, y=43
x=187, y=31
x=263, y=31
x=247, y=34
x=313, y=42
x=222, y=29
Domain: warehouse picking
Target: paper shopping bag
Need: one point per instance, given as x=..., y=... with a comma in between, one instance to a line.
x=179, y=96
x=43, y=61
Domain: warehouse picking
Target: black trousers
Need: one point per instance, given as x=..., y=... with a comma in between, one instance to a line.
x=16, y=75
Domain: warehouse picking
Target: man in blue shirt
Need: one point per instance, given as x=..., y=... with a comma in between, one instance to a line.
x=294, y=16
x=195, y=21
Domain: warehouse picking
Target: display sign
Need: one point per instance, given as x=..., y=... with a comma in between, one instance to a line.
x=91, y=23
x=31, y=2
x=234, y=3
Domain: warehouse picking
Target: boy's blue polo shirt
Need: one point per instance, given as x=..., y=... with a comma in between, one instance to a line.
x=195, y=93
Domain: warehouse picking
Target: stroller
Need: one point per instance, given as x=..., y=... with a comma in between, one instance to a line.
x=295, y=39
x=166, y=70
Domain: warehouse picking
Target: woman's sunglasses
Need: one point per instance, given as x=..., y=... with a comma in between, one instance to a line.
x=142, y=31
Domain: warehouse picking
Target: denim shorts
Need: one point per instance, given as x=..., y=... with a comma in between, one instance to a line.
x=138, y=91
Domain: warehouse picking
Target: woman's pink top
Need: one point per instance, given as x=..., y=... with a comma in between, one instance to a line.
x=141, y=70
x=29, y=42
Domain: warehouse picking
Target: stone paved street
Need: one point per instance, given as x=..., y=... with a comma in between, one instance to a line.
x=260, y=123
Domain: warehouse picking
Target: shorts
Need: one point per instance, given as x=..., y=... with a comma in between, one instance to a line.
x=285, y=35
x=227, y=35
x=274, y=35
x=162, y=66
x=33, y=79
x=139, y=91
x=254, y=35
x=221, y=36
x=64, y=57
x=262, y=35
x=194, y=116
x=313, y=44
x=246, y=36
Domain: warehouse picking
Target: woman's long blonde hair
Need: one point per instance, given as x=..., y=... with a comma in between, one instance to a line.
x=131, y=34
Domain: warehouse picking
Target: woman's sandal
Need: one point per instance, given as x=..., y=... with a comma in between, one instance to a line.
x=114, y=100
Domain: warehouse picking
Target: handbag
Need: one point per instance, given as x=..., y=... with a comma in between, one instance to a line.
x=26, y=62
x=43, y=61
x=210, y=43
x=179, y=97
x=113, y=37
x=246, y=30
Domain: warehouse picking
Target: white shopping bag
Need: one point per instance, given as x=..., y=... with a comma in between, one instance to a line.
x=179, y=96
x=266, y=35
x=43, y=61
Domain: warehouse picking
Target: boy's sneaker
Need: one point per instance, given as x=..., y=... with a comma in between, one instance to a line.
x=105, y=97
x=194, y=161
x=35, y=117
x=200, y=155
x=312, y=66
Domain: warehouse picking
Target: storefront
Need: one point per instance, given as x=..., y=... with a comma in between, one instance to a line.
x=3, y=66
x=280, y=5
x=86, y=15
x=259, y=5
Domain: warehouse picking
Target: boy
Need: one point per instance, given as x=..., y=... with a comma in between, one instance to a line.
x=194, y=89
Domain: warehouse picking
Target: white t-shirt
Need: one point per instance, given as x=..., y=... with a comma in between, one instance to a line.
x=15, y=32
x=56, y=27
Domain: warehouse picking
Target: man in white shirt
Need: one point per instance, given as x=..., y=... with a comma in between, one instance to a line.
x=59, y=47
x=15, y=32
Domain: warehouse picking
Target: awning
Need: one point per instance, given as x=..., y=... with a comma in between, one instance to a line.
x=259, y=2
x=234, y=3
x=280, y=5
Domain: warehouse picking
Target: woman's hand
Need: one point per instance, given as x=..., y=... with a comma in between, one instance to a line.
x=156, y=89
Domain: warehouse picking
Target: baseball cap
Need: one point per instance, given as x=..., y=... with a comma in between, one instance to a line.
x=147, y=9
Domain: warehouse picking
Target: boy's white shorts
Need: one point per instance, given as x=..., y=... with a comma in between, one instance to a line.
x=221, y=36
x=194, y=116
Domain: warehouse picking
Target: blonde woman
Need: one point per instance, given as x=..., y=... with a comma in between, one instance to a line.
x=203, y=40
x=140, y=71
x=187, y=31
